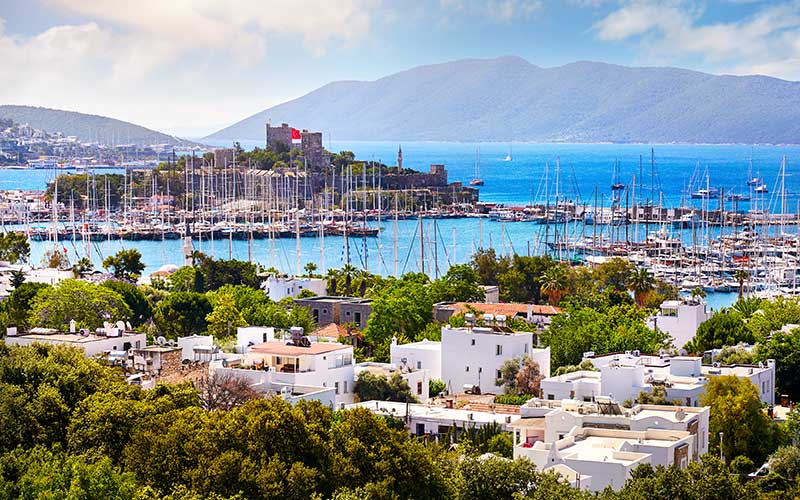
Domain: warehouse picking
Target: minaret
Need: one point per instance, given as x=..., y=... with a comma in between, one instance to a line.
x=399, y=158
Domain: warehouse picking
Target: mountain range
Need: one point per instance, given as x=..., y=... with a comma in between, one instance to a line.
x=508, y=98
x=87, y=128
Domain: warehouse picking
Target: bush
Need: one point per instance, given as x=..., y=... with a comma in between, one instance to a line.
x=512, y=399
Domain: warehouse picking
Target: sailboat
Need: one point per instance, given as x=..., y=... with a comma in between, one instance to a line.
x=508, y=156
x=477, y=181
x=616, y=185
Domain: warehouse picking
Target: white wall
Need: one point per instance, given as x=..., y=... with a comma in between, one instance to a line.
x=474, y=355
x=683, y=326
x=245, y=335
x=424, y=355
x=97, y=346
x=280, y=288
x=187, y=344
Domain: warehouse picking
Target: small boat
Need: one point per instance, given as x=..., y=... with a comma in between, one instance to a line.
x=508, y=156
x=737, y=197
x=477, y=181
x=761, y=189
x=711, y=192
x=755, y=181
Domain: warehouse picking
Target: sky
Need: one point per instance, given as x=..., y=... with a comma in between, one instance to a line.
x=191, y=67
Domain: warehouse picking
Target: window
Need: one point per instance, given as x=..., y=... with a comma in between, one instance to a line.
x=420, y=429
x=467, y=369
x=472, y=342
x=345, y=387
x=358, y=318
x=498, y=350
x=336, y=386
x=587, y=399
x=419, y=365
x=347, y=313
x=419, y=387
x=324, y=311
x=499, y=375
x=526, y=347
x=551, y=397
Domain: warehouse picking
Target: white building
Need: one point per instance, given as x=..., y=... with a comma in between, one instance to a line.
x=91, y=343
x=605, y=442
x=265, y=383
x=623, y=375
x=423, y=355
x=680, y=319
x=321, y=364
x=417, y=380
x=187, y=345
x=247, y=336
x=607, y=456
x=279, y=288
x=472, y=355
x=421, y=419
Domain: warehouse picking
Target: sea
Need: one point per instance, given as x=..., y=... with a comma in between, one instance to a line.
x=514, y=174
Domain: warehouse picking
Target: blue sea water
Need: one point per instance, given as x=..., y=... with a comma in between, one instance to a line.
x=579, y=168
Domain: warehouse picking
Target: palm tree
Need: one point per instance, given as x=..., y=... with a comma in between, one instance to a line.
x=310, y=268
x=747, y=306
x=641, y=283
x=333, y=278
x=349, y=272
x=554, y=283
x=741, y=276
x=698, y=293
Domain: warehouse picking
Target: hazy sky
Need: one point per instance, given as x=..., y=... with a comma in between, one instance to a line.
x=190, y=67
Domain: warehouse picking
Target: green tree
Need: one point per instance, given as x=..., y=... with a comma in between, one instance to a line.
x=370, y=387
x=136, y=300
x=83, y=266
x=785, y=461
x=784, y=348
x=436, y=387
x=89, y=305
x=641, y=283
x=460, y=284
x=310, y=268
x=741, y=276
x=14, y=247
x=225, y=318
x=20, y=302
x=403, y=308
x=616, y=328
x=736, y=411
x=722, y=329
x=182, y=313
x=554, y=283
x=126, y=264
x=220, y=272
x=184, y=280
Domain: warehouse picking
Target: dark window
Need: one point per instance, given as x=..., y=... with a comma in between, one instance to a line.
x=419, y=387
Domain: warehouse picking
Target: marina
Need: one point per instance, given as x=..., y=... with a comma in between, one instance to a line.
x=699, y=237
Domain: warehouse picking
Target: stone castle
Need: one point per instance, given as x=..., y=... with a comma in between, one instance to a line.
x=310, y=144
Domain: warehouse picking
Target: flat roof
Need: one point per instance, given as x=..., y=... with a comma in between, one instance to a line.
x=430, y=345
x=71, y=338
x=441, y=413
x=278, y=349
x=510, y=309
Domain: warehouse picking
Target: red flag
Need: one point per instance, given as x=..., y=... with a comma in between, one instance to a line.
x=296, y=136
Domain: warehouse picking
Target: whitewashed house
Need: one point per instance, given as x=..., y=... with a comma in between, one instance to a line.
x=417, y=380
x=423, y=355
x=680, y=319
x=623, y=376
x=319, y=364
x=472, y=355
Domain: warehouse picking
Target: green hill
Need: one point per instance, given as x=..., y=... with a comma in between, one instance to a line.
x=88, y=128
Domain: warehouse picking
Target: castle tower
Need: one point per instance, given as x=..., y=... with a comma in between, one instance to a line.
x=399, y=158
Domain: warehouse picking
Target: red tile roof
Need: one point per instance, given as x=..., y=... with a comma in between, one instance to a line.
x=510, y=309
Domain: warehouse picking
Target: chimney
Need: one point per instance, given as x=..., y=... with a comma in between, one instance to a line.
x=72, y=326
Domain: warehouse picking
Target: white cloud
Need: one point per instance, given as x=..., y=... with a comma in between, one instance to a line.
x=509, y=10
x=766, y=42
x=163, y=63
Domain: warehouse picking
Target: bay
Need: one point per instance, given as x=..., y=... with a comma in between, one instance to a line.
x=582, y=168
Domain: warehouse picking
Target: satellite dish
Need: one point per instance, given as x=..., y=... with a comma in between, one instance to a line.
x=160, y=340
x=121, y=325
x=128, y=326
